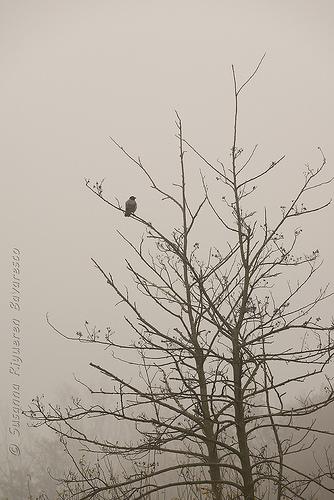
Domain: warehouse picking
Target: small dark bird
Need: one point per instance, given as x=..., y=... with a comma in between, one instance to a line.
x=130, y=206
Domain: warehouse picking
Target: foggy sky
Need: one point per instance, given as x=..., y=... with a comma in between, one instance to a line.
x=75, y=72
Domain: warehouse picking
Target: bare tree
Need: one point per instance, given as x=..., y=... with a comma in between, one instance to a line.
x=238, y=331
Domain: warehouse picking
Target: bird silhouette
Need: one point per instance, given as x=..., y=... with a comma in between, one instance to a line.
x=130, y=206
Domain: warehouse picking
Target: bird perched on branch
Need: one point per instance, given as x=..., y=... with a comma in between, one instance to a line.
x=130, y=206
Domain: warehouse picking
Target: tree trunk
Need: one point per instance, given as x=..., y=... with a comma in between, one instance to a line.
x=247, y=477
x=214, y=468
x=215, y=477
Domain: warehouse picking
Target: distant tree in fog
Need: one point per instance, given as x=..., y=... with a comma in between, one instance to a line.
x=26, y=477
x=238, y=332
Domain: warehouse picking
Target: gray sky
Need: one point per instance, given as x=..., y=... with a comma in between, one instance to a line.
x=75, y=72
